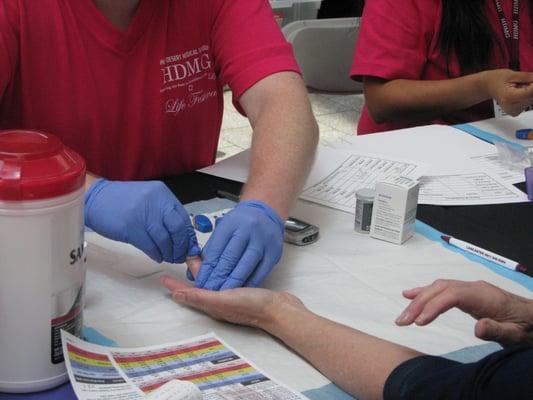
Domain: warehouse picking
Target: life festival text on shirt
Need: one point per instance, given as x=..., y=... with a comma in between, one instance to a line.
x=185, y=70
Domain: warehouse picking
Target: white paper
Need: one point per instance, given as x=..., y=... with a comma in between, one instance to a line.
x=350, y=172
x=462, y=169
x=445, y=151
x=467, y=189
x=492, y=163
x=215, y=370
x=237, y=167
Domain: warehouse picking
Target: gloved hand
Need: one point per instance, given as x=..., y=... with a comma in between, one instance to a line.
x=144, y=214
x=243, y=249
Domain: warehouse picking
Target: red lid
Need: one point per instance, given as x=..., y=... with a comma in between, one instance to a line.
x=36, y=165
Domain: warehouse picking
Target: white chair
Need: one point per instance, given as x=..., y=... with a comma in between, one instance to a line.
x=324, y=50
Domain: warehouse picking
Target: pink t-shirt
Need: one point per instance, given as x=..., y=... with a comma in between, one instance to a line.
x=137, y=104
x=399, y=40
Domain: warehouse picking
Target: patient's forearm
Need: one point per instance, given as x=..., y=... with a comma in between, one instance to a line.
x=357, y=362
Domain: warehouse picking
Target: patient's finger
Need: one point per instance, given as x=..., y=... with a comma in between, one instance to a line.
x=172, y=284
x=413, y=310
x=194, y=264
x=505, y=333
x=439, y=304
x=412, y=293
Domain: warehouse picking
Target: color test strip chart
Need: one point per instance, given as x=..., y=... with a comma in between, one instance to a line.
x=208, y=363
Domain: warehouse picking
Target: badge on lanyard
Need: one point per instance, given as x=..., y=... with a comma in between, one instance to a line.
x=512, y=36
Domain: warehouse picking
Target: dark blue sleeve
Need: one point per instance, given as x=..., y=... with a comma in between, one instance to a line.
x=506, y=374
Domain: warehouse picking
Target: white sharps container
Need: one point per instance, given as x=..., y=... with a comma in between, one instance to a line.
x=42, y=262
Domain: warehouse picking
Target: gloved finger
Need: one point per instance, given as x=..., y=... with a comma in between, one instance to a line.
x=161, y=237
x=203, y=274
x=140, y=239
x=212, y=251
x=194, y=249
x=227, y=262
x=178, y=235
x=261, y=271
x=245, y=267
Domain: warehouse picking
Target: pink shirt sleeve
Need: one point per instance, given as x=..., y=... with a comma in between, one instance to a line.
x=8, y=44
x=248, y=44
x=394, y=38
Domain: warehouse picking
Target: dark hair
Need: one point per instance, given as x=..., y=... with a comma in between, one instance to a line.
x=465, y=30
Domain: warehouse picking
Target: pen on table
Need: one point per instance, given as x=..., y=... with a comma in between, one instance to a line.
x=488, y=255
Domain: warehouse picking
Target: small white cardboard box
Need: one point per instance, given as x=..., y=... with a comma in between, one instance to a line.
x=394, y=212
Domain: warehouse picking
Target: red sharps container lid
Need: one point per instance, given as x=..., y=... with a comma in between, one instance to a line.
x=36, y=165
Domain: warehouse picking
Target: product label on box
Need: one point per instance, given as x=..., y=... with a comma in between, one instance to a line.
x=394, y=209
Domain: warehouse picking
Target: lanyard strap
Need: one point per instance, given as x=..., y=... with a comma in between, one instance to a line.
x=512, y=39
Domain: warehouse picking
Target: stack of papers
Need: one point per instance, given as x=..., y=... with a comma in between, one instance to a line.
x=454, y=168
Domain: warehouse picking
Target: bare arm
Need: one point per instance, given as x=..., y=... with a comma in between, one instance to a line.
x=284, y=139
x=357, y=362
x=402, y=100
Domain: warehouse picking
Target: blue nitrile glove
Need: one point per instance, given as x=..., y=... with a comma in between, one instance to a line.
x=243, y=248
x=144, y=214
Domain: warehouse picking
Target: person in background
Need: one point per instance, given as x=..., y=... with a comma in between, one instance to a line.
x=443, y=61
x=371, y=368
x=340, y=8
x=135, y=86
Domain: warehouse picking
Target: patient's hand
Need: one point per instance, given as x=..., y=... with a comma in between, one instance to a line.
x=502, y=317
x=243, y=306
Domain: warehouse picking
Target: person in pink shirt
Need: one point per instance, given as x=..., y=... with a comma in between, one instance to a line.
x=135, y=86
x=443, y=61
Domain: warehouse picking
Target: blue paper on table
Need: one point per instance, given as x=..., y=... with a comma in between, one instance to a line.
x=486, y=136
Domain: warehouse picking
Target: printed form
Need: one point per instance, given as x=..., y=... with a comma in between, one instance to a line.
x=203, y=367
x=458, y=169
x=467, y=189
x=354, y=172
x=491, y=162
x=347, y=172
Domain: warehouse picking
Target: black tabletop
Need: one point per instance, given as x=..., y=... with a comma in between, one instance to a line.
x=505, y=229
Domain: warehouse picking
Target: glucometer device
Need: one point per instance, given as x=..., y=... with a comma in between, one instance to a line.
x=297, y=232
